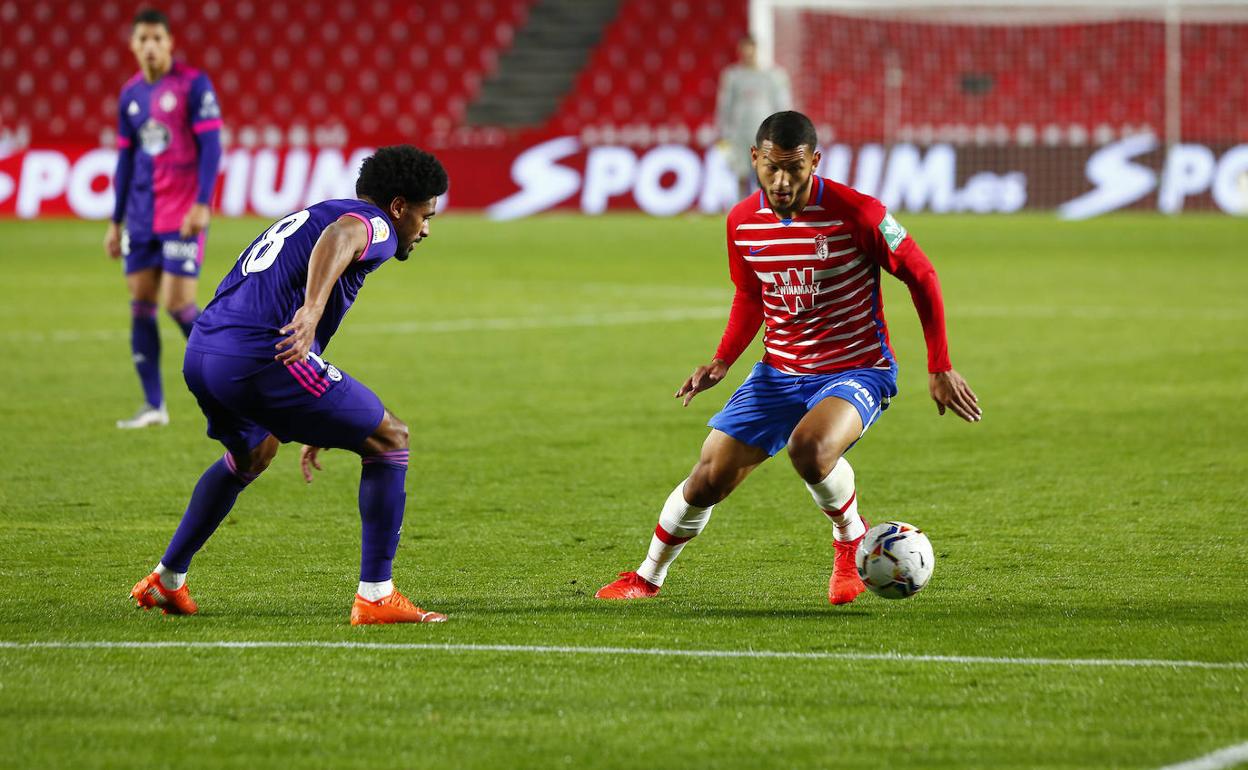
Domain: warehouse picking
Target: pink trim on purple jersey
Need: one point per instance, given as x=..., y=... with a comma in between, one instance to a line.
x=122, y=142
x=368, y=226
x=207, y=125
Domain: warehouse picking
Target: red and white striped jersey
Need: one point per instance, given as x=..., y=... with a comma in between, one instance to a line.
x=815, y=280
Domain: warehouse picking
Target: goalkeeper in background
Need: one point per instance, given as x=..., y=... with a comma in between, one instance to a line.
x=748, y=93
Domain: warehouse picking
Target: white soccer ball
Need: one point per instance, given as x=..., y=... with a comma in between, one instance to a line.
x=895, y=560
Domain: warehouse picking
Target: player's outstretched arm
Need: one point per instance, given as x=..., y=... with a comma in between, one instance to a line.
x=339, y=245
x=703, y=378
x=950, y=391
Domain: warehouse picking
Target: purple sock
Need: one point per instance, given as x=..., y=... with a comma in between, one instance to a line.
x=382, y=499
x=211, y=501
x=145, y=347
x=185, y=317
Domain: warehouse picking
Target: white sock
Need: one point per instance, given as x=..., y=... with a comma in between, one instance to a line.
x=171, y=580
x=376, y=591
x=838, y=499
x=678, y=523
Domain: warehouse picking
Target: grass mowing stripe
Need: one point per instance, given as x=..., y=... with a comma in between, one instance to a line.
x=658, y=652
x=1227, y=757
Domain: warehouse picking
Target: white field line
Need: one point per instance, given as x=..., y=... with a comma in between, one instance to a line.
x=893, y=657
x=630, y=317
x=1227, y=757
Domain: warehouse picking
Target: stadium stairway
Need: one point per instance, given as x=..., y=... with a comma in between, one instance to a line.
x=542, y=64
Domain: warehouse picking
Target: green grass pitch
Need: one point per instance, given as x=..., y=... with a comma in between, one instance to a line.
x=1097, y=513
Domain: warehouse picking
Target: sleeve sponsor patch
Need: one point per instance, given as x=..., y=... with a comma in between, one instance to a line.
x=892, y=231
x=381, y=229
x=208, y=107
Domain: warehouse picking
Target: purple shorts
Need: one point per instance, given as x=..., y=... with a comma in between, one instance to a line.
x=168, y=251
x=311, y=402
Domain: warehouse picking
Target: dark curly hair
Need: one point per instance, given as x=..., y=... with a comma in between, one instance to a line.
x=400, y=171
x=787, y=129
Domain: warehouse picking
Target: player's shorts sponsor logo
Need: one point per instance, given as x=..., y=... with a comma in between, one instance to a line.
x=168, y=101
x=892, y=231
x=125, y=243
x=188, y=250
x=861, y=394
x=333, y=374
x=154, y=137
x=381, y=229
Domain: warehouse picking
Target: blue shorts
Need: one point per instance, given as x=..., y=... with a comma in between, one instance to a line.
x=769, y=404
x=168, y=251
x=311, y=402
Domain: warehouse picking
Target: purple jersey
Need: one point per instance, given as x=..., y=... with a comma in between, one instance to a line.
x=268, y=282
x=168, y=134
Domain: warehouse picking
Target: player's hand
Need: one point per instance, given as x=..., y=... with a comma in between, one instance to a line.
x=112, y=240
x=703, y=377
x=300, y=333
x=950, y=391
x=195, y=221
x=307, y=461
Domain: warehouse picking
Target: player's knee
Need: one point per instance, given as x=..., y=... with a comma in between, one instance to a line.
x=392, y=434
x=259, y=457
x=708, y=484
x=812, y=457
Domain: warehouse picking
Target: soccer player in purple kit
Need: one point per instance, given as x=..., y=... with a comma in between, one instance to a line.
x=254, y=363
x=168, y=137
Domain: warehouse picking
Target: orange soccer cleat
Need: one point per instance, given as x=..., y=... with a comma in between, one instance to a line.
x=629, y=586
x=395, y=608
x=149, y=593
x=845, y=585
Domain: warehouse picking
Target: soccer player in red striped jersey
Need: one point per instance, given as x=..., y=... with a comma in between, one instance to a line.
x=806, y=256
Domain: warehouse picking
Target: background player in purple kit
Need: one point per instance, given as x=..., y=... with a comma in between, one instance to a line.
x=288, y=293
x=168, y=136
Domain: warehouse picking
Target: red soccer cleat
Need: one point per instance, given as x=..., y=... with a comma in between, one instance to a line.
x=395, y=608
x=149, y=593
x=629, y=586
x=845, y=585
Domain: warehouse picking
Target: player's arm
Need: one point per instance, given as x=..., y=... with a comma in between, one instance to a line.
x=340, y=244
x=205, y=117
x=744, y=320
x=895, y=251
x=121, y=183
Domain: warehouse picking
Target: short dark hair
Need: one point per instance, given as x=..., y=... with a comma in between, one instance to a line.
x=787, y=129
x=400, y=171
x=150, y=16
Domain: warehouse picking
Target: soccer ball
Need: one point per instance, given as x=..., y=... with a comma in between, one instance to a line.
x=895, y=560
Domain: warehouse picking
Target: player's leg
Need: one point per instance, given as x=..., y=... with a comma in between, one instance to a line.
x=182, y=259
x=249, y=450
x=722, y=465
x=842, y=410
x=143, y=285
x=383, y=498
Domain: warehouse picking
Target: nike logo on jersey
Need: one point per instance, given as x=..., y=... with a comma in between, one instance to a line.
x=757, y=250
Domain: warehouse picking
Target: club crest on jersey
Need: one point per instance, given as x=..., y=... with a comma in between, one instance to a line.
x=381, y=229
x=168, y=101
x=797, y=287
x=821, y=246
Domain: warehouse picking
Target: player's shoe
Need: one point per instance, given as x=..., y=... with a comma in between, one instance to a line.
x=147, y=416
x=845, y=585
x=394, y=608
x=629, y=586
x=149, y=593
